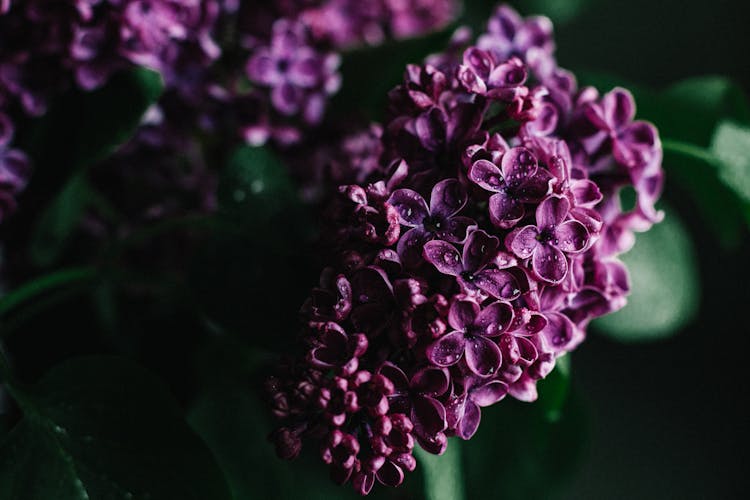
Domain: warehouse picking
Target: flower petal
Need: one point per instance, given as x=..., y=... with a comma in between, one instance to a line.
x=527, y=350
x=489, y=393
x=462, y=314
x=497, y=283
x=619, y=108
x=522, y=242
x=550, y=264
x=429, y=416
x=395, y=375
x=430, y=380
x=517, y=165
x=536, y=187
x=411, y=207
x=447, y=350
x=494, y=319
x=572, y=236
x=443, y=256
x=479, y=250
x=470, y=421
x=636, y=145
x=486, y=175
x=524, y=389
x=448, y=197
x=390, y=474
x=585, y=192
x=561, y=334
x=286, y=98
x=410, y=247
x=552, y=212
x=483, y=356
x=456, y=229
x=505, y=211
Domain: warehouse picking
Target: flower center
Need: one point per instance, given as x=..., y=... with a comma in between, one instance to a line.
x=433, y=224
x=546, y=235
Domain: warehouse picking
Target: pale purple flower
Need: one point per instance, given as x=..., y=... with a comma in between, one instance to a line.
x=438, y=221
x=517, y=181
x=299, y=77
x=471, y=268
x=510, y=35
x=548, y=242
x=472, y=336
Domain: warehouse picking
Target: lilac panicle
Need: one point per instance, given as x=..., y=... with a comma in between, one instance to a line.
x=472, y=252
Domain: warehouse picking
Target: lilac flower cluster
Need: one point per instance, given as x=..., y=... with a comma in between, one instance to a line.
x=472, y=257
x=47, y=46
x=294, y=68
x=270, y=80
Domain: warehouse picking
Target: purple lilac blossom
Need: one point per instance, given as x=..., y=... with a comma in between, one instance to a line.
x=471, y=259
x=14, y=169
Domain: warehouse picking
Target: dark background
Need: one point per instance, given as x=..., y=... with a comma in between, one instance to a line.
x=667, y=419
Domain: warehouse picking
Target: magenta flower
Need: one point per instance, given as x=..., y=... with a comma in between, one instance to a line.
x=550, y=240
x=467, y=407
x=633, y=142
x=416, y=397
x=481, y=75
x=517, y=181
x=438, y=221
x=299, y=76
x=510, y=35
x=473, y=330
x=471, y=269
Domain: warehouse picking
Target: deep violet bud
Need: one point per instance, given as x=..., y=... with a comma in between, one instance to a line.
x=475, y=253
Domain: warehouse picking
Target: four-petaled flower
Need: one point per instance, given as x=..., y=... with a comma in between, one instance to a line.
x=518, y=180
x=634, y=143
x=474, y=329
x=298, y=75
x=548, y=242
x=470, y=269
x=438, y=221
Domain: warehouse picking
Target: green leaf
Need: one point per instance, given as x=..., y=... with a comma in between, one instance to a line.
x=443, y=475
x=82, y=128
x=58, y=221
x=665, y=285
x=519, y=453
x=559, y=12
x=690, y=110
x=731, y=145
x=96, y=428
x=697, y=171
x=44, y=284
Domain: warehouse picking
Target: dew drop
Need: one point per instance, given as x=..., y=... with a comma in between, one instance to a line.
x=257, y=186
